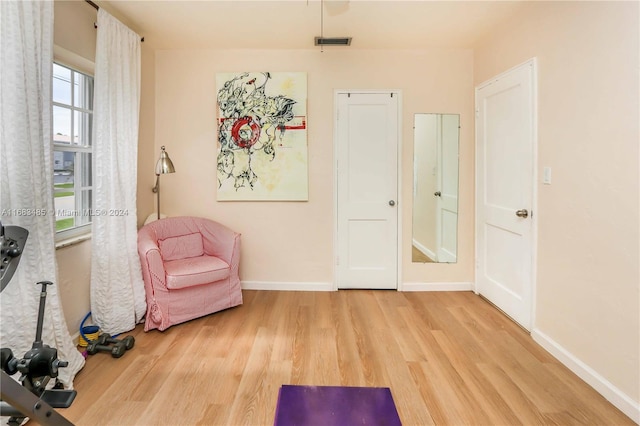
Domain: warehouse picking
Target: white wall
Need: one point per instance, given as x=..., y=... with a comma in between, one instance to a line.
x=74, y=38
x=588, y=281
x=292, y=242
x=147, y=152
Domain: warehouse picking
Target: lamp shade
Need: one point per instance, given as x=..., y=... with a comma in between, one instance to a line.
x=164, y=164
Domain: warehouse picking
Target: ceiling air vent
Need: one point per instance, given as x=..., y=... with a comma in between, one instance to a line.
x=332, y=41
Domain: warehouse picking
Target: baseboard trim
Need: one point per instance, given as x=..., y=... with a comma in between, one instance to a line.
x=75, y=338
x=605, y=388
x=323, y=286
x=286, y=286
x=454, y=286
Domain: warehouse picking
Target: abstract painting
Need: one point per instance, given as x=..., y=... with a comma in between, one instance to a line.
x=262, y=136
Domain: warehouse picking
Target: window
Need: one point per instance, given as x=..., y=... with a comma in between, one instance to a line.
x=72, y=150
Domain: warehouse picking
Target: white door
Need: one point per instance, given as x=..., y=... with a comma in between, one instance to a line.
x=367, y=188
x=505, y=138
x=447, y=193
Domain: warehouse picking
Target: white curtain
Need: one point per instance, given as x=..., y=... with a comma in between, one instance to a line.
x=26, y=169
x=117, y=290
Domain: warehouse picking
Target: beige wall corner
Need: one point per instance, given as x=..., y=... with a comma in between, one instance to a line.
x=293, y=241
x=75, y=45
x=588, y=282
x=146, y=138
x=74, y=279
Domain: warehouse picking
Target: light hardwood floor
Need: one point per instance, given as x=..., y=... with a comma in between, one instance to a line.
x=450, y=358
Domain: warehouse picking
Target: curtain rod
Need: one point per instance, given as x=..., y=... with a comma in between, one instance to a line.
x=96, y=7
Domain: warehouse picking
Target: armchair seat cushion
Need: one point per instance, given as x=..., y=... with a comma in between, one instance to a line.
x=182, y=273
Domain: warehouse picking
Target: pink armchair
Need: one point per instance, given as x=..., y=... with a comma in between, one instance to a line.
x=190, y=269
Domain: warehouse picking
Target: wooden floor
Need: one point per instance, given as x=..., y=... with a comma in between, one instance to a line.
x=449, y=359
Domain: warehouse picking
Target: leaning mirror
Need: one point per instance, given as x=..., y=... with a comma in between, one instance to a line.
x=435, y=188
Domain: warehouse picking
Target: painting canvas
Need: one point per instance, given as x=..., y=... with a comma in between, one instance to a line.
x=262, y=136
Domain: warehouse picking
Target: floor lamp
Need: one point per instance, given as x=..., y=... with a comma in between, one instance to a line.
x=163, y=166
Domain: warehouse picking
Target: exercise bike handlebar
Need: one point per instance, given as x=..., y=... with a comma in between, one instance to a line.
x=43, y=299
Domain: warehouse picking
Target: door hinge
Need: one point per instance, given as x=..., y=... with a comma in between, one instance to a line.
x=337, y=260
x=477, y=112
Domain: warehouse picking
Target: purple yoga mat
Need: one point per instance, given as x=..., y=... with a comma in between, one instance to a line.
x=335, y=405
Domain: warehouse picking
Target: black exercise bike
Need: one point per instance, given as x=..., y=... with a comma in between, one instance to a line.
x=29, y=398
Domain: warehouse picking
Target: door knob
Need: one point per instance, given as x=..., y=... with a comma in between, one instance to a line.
x=522, y=213
x=392, y=203
x=437, y=193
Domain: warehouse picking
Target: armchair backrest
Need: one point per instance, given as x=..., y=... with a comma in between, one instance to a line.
x=181, y=246
x=186, y=236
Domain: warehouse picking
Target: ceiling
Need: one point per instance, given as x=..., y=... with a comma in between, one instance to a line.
x=293, y=24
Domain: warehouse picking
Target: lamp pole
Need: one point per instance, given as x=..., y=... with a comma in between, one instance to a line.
x=156, y=189
x=163, y=166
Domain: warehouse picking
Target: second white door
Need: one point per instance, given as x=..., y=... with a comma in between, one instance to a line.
x=505, y=138
x=367, y=189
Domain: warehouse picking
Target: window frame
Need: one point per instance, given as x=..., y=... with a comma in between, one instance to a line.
x=83, y=205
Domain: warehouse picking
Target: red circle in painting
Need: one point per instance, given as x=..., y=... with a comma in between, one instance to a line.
x=245, y=132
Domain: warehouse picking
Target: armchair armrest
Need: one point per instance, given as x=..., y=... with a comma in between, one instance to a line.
x=151, y=261
x=146, y=243
x=220, y=241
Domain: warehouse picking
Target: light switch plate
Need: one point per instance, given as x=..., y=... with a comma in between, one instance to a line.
x=546, y=175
